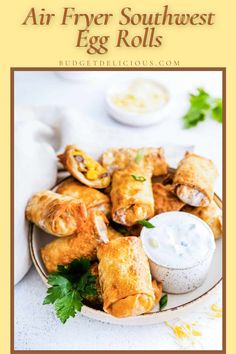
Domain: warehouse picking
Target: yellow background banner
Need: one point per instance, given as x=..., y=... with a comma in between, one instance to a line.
x=54, y=45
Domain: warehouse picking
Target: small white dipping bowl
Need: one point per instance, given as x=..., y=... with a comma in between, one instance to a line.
x=138, y=102
x=171, y=251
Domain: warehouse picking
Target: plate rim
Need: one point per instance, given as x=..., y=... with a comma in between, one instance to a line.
x=108, y=318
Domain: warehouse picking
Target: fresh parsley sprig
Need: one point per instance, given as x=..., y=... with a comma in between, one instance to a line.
x=70, y=286
x=202, y=105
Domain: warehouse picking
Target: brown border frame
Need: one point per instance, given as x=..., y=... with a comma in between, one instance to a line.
x=12, y=71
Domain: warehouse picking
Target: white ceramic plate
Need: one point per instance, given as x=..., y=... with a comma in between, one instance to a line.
x=176, y=303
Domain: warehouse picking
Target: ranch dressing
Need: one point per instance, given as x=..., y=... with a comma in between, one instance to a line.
x=179, y=240
x=140, y=96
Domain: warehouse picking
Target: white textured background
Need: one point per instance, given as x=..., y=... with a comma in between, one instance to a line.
x=35, y=325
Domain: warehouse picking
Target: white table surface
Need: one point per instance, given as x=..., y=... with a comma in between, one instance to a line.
x=35, y=325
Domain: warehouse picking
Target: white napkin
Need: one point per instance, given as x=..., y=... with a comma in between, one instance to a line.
x=35, y=170
x=40, y=133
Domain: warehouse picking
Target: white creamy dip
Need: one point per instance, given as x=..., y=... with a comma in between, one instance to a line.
x=179, y=240
x=139, y=96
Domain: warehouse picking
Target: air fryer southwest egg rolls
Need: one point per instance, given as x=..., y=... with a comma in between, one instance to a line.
x=125, y=277
x=131, y=195
x=82, y=244
x=194, y=180
x=56, y=214
x=83, y=168
x=165, y=199
x=117, y=159
x=92, y=198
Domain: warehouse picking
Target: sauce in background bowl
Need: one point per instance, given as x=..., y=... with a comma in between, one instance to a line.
x=138, y=102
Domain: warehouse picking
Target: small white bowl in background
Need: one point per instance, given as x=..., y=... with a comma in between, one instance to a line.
x=180, y=249
x=138, y=102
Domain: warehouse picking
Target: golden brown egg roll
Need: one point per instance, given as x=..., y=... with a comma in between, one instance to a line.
x=194, y=180
x=165, y=199
x=131, y=195
x=83, y=244
x=92, y=198
x=211, y=214
x=56, y=214
x=118, y=159
x=83, y=168
x=158, y=288
x=113, y=234
x=125, y=277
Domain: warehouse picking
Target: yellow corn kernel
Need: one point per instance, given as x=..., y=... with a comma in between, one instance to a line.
x=90, y=163
x=92, y=175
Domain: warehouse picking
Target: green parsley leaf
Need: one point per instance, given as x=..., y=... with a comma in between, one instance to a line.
x=163, y=301
x=60, y=287
x=201, y=107
x=139, y=156
x=216, y=111
x=68, y=306
x=146, y=224
x=70, y=286
x=139, y=178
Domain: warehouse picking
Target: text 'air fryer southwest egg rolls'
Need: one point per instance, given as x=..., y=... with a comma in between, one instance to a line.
x=194, y=180
x=92, y=198
x=118, y=159
x=125, y=277
x=56, y=214
x=131, y=195
x=83, y=244
x=83, y=168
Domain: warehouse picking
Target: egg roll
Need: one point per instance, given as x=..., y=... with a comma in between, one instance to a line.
x=83, y=168
x=211, y=214
x=83, y=244
x=131, y=195
x=113, y=234
x=125, y=277
x=118, y=159
x=158, y=288
x=92, y=198
x=56, y=214
x=165, y=199
x=194, y=180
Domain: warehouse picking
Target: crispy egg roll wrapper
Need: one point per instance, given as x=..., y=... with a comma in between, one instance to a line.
x=92, y=198
x=83, y=168
x=56, y=214
x=132, y=200
x=211, y=214
x=125, y=277
x=194, y=180
x=158, y=288
x=118, y=159
x=83, y=244
x=165, y=199
x=113, y=234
